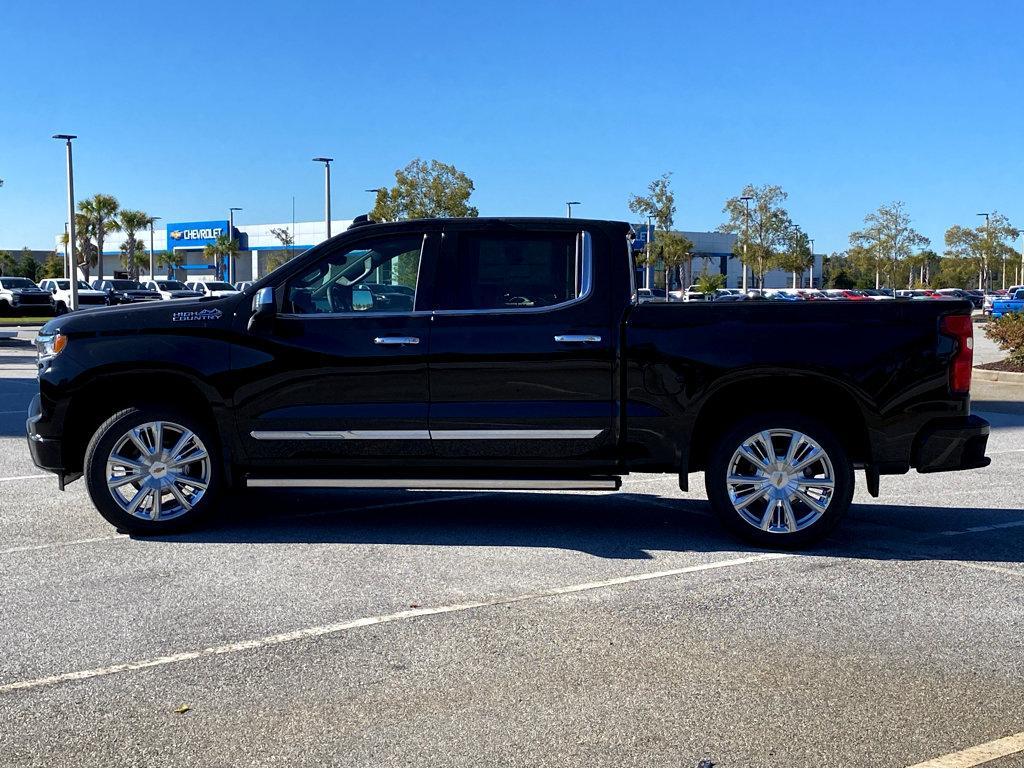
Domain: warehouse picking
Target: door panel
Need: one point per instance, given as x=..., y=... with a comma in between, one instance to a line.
x=341, y=378
x=501, y=385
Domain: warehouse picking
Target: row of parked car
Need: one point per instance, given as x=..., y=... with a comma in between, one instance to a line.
x=976, y=298
x=19, y=295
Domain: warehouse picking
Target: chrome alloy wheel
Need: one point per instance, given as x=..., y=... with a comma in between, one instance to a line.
x=780, y=481
x=158, y=471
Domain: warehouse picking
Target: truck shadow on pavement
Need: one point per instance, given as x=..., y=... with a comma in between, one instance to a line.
x=625, y=525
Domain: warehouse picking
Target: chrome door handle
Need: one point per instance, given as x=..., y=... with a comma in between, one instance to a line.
x=396, y=340
x=577, y=338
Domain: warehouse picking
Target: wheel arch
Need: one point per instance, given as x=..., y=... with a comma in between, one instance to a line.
x=109, y=392
x=823, y=399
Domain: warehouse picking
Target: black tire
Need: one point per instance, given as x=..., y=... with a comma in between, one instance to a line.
x=109, y=434
x=718, y=491
x=60, y=309
x=5, y=307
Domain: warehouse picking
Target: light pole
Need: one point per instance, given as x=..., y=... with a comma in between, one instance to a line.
x=811, y=241
x=746, y=235
x=327, y=192
x=648, y=265
x=152, y=253
x=983, y=275
x=231, y=237
x=72, y=260
x=796, y=243
x=568, y=207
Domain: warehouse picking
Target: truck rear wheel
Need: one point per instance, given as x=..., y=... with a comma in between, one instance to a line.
x=152, y=471
x=779, y=480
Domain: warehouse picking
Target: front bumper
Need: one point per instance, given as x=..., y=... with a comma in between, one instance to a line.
x=46, y=452
x=954, y=443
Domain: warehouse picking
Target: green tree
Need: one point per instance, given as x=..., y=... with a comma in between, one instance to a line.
x=424, y=190
x=28, y=267
x=133, y=250
x=100, y=216
x=674, y=250
x=889, y=239
x=796, y=256
x=8, y=264
x=984, y=245
x=53, y=267
x=287, y=241
x=222, y=247
x=171, y=259
x=709, y=282
x=956, y=272
x=660, y=204
x=761, y=237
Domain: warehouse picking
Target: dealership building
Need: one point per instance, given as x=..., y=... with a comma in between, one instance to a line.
x=259, y=250
x=713, y=254
x=258, y=247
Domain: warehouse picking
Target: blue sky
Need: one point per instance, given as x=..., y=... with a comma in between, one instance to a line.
x=184, y=109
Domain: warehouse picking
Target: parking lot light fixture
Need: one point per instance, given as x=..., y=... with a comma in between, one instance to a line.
x=71, y=256
x=568, y=207
x=746, y=235
x=327, y=192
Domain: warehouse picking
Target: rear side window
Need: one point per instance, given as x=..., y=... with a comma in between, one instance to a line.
x=513, y=271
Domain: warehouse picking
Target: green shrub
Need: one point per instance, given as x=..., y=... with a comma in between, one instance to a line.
x=1008, y=333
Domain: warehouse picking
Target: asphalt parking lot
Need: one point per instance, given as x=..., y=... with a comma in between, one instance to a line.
x=416, y=628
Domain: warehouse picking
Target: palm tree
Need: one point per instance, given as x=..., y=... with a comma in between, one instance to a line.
x=101, y=211
x=133, y=251
x=85, y=250
x=223, y=246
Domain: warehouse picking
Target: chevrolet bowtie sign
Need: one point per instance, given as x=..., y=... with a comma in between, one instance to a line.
x=194, y=234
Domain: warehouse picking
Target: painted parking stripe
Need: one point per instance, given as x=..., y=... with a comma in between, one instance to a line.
x=28, y=477
x=48, y=545
x=340, y=627
x=976, y=529
x=987, y=567
x=979, y=754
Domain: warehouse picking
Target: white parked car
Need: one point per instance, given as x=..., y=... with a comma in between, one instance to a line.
x=21, y=295
x=212, y=287
x=60, y=290
x=243, y=284
x=172, y=289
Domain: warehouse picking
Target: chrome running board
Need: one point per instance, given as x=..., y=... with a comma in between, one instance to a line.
x=604, y=483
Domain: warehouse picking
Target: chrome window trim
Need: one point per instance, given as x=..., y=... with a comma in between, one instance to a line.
x=588, y=288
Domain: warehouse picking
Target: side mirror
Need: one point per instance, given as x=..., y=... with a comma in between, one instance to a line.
x=264, y=308
x=53, y=290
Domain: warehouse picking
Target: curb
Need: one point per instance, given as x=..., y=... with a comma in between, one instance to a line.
x=1006, y=377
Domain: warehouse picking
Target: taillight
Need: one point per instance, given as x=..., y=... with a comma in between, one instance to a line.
x=960, y=328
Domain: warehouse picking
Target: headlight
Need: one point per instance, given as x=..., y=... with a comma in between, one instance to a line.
x=48, y=346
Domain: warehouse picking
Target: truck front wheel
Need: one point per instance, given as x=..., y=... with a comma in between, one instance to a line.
x=152, y=471
x=779, y=480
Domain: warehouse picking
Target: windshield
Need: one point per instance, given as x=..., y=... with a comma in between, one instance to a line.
x=171, y=285
x=216, y=286
x=125, y=285
x=17, y=283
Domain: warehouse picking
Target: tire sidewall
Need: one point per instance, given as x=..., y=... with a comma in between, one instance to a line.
x=718, y=467
x=95, y=469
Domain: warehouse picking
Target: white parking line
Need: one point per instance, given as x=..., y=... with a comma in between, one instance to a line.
x=979, y=754
x=975, y=529
x=48, y=545
x=987, y=567
x=28, y=477
x=339, y=627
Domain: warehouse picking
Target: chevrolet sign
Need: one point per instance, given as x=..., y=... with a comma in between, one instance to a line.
x=194, y=234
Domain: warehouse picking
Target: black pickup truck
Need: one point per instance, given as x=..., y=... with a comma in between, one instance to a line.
x=499, y=354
